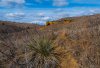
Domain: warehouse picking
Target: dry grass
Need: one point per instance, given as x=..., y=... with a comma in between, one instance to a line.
x=77, y=46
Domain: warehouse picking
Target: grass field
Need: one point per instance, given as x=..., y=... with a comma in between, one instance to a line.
x=62, y=45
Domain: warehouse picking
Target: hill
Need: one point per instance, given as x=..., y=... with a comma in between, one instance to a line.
x=11, y=27
x=75, y=44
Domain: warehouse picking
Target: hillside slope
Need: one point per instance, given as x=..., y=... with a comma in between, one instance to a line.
x=77, y=43
x=11, y=27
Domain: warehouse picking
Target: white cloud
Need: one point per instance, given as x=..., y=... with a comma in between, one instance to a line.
x=40, y=14
x=10, y=15
x=38, y=22
x=45, y=18
x=9, y=2
x=60, y=2
x=16, y=1
x=55, y=2
x=88, y=1
x=35, y=21
x=14, y=15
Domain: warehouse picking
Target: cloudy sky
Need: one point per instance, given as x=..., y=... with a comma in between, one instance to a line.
x=40, y=11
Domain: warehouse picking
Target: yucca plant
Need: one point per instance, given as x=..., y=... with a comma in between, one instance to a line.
x=44, y=54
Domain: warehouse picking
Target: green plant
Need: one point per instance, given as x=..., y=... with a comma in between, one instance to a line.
x=44, y=54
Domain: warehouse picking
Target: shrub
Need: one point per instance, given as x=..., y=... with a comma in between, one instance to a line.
x=44, y=55
x=49, y=23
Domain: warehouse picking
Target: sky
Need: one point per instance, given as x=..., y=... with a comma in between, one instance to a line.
x=40, y=11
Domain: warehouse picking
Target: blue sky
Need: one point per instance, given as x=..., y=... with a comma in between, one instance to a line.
x=40, y=11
